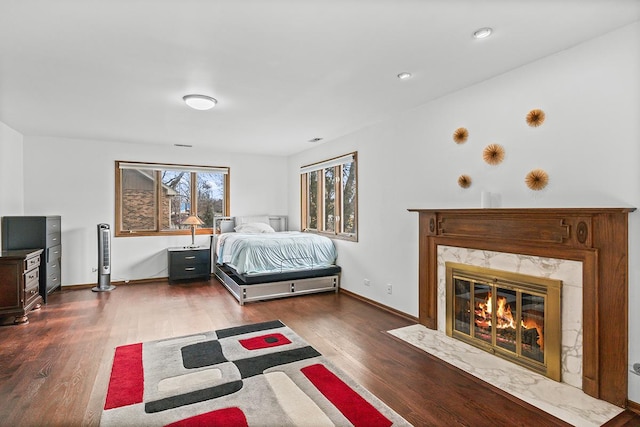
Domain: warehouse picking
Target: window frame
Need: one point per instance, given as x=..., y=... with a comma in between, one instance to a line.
x=158, y=168
x=337, y=164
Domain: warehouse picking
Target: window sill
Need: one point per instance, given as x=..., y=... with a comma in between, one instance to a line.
x=127, y=233
x=346, y=237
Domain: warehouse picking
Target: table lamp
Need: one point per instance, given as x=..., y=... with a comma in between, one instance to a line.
x=193, y=221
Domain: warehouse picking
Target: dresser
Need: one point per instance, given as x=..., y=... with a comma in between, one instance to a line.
x=19, y=284
x=25, y=232
x=189, y=263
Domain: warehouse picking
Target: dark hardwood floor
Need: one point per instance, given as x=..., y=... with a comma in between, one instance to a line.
x=54, y=371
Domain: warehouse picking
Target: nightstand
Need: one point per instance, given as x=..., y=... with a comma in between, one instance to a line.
x=189, y=263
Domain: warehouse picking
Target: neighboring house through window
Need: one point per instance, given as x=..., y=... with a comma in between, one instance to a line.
x=330, y=197
x=153, y=199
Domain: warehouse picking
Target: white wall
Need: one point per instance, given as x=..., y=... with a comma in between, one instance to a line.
x=75, y=179
x=589, y=145
x=11, y=176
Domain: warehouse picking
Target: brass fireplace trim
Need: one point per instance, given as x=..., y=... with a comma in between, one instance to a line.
x=550, y=289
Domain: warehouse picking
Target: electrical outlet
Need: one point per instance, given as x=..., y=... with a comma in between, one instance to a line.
x=389, y=288
x=367, y=282
x=636, y=368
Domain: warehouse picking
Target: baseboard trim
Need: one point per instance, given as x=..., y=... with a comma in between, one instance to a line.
x=117, y=283
x=379, y=305
x=166, y=279
x=633, y=406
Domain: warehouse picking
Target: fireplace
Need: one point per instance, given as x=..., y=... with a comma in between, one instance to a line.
x=511, y=315
x=595, y=238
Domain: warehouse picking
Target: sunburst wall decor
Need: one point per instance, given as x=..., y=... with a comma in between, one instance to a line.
x=535, y=118
x=460, y=135
x=464, y=181
x=537, y=179
x=493, y=154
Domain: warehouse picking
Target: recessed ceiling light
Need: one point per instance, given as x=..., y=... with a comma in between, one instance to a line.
x=482, y=33
x=200, y=102
x=404, y=76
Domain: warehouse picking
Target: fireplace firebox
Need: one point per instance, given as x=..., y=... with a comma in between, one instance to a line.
x=514, y=316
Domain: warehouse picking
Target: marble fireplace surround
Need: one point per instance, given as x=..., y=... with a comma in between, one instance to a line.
x=570, y=272
x=594, y=237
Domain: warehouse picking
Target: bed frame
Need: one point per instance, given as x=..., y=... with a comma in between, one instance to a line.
x=279, y=288
x=279, y=285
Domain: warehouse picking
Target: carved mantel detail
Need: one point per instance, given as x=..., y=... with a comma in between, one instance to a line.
x=597, y=237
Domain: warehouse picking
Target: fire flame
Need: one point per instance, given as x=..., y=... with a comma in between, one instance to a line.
x=504, y=317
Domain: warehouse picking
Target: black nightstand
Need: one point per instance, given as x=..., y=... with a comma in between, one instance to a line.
x=189, y=263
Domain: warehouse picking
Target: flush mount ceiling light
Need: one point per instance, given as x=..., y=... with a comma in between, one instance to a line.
x=482, y=33
x=404, y=76
x=200, y=102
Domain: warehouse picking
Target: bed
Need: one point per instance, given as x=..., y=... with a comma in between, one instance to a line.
x=256, y=259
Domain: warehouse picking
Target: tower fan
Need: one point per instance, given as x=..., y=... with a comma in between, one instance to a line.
x=104, y=259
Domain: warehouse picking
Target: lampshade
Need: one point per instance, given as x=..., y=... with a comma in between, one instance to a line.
x=200, y=102
x=192, y=220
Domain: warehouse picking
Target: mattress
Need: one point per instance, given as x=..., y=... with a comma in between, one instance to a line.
x=265, y=253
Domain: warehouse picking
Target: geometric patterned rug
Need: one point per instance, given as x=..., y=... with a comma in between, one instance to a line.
x=253, y=375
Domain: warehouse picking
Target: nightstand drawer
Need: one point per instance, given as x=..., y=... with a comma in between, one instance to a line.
x=190, y=257
x=186, y=271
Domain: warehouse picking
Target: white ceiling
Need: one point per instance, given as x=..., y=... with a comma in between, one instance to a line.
x=283, y=71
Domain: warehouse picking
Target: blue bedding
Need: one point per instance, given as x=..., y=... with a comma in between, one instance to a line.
x=261, y=253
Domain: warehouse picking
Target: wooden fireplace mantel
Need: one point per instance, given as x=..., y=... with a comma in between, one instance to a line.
x=598, y=237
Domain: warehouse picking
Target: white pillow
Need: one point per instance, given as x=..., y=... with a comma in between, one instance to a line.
x=255, y=227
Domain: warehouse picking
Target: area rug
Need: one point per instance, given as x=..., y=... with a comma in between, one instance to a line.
x=261, y=374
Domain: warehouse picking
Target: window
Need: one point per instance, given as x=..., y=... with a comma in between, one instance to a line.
x=154, y=199
x=330, y=197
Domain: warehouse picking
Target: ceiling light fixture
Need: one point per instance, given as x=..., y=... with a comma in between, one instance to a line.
x=482, y=33
x=404, y=76
x=200, y=102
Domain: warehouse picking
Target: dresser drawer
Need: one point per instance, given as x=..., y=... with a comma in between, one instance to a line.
x=53, y=239
x=31, y=263
x=31, y=293
x=53, y=267
x=53, y=225
x=53, y=281
x=32, y=278
x=53, y=253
